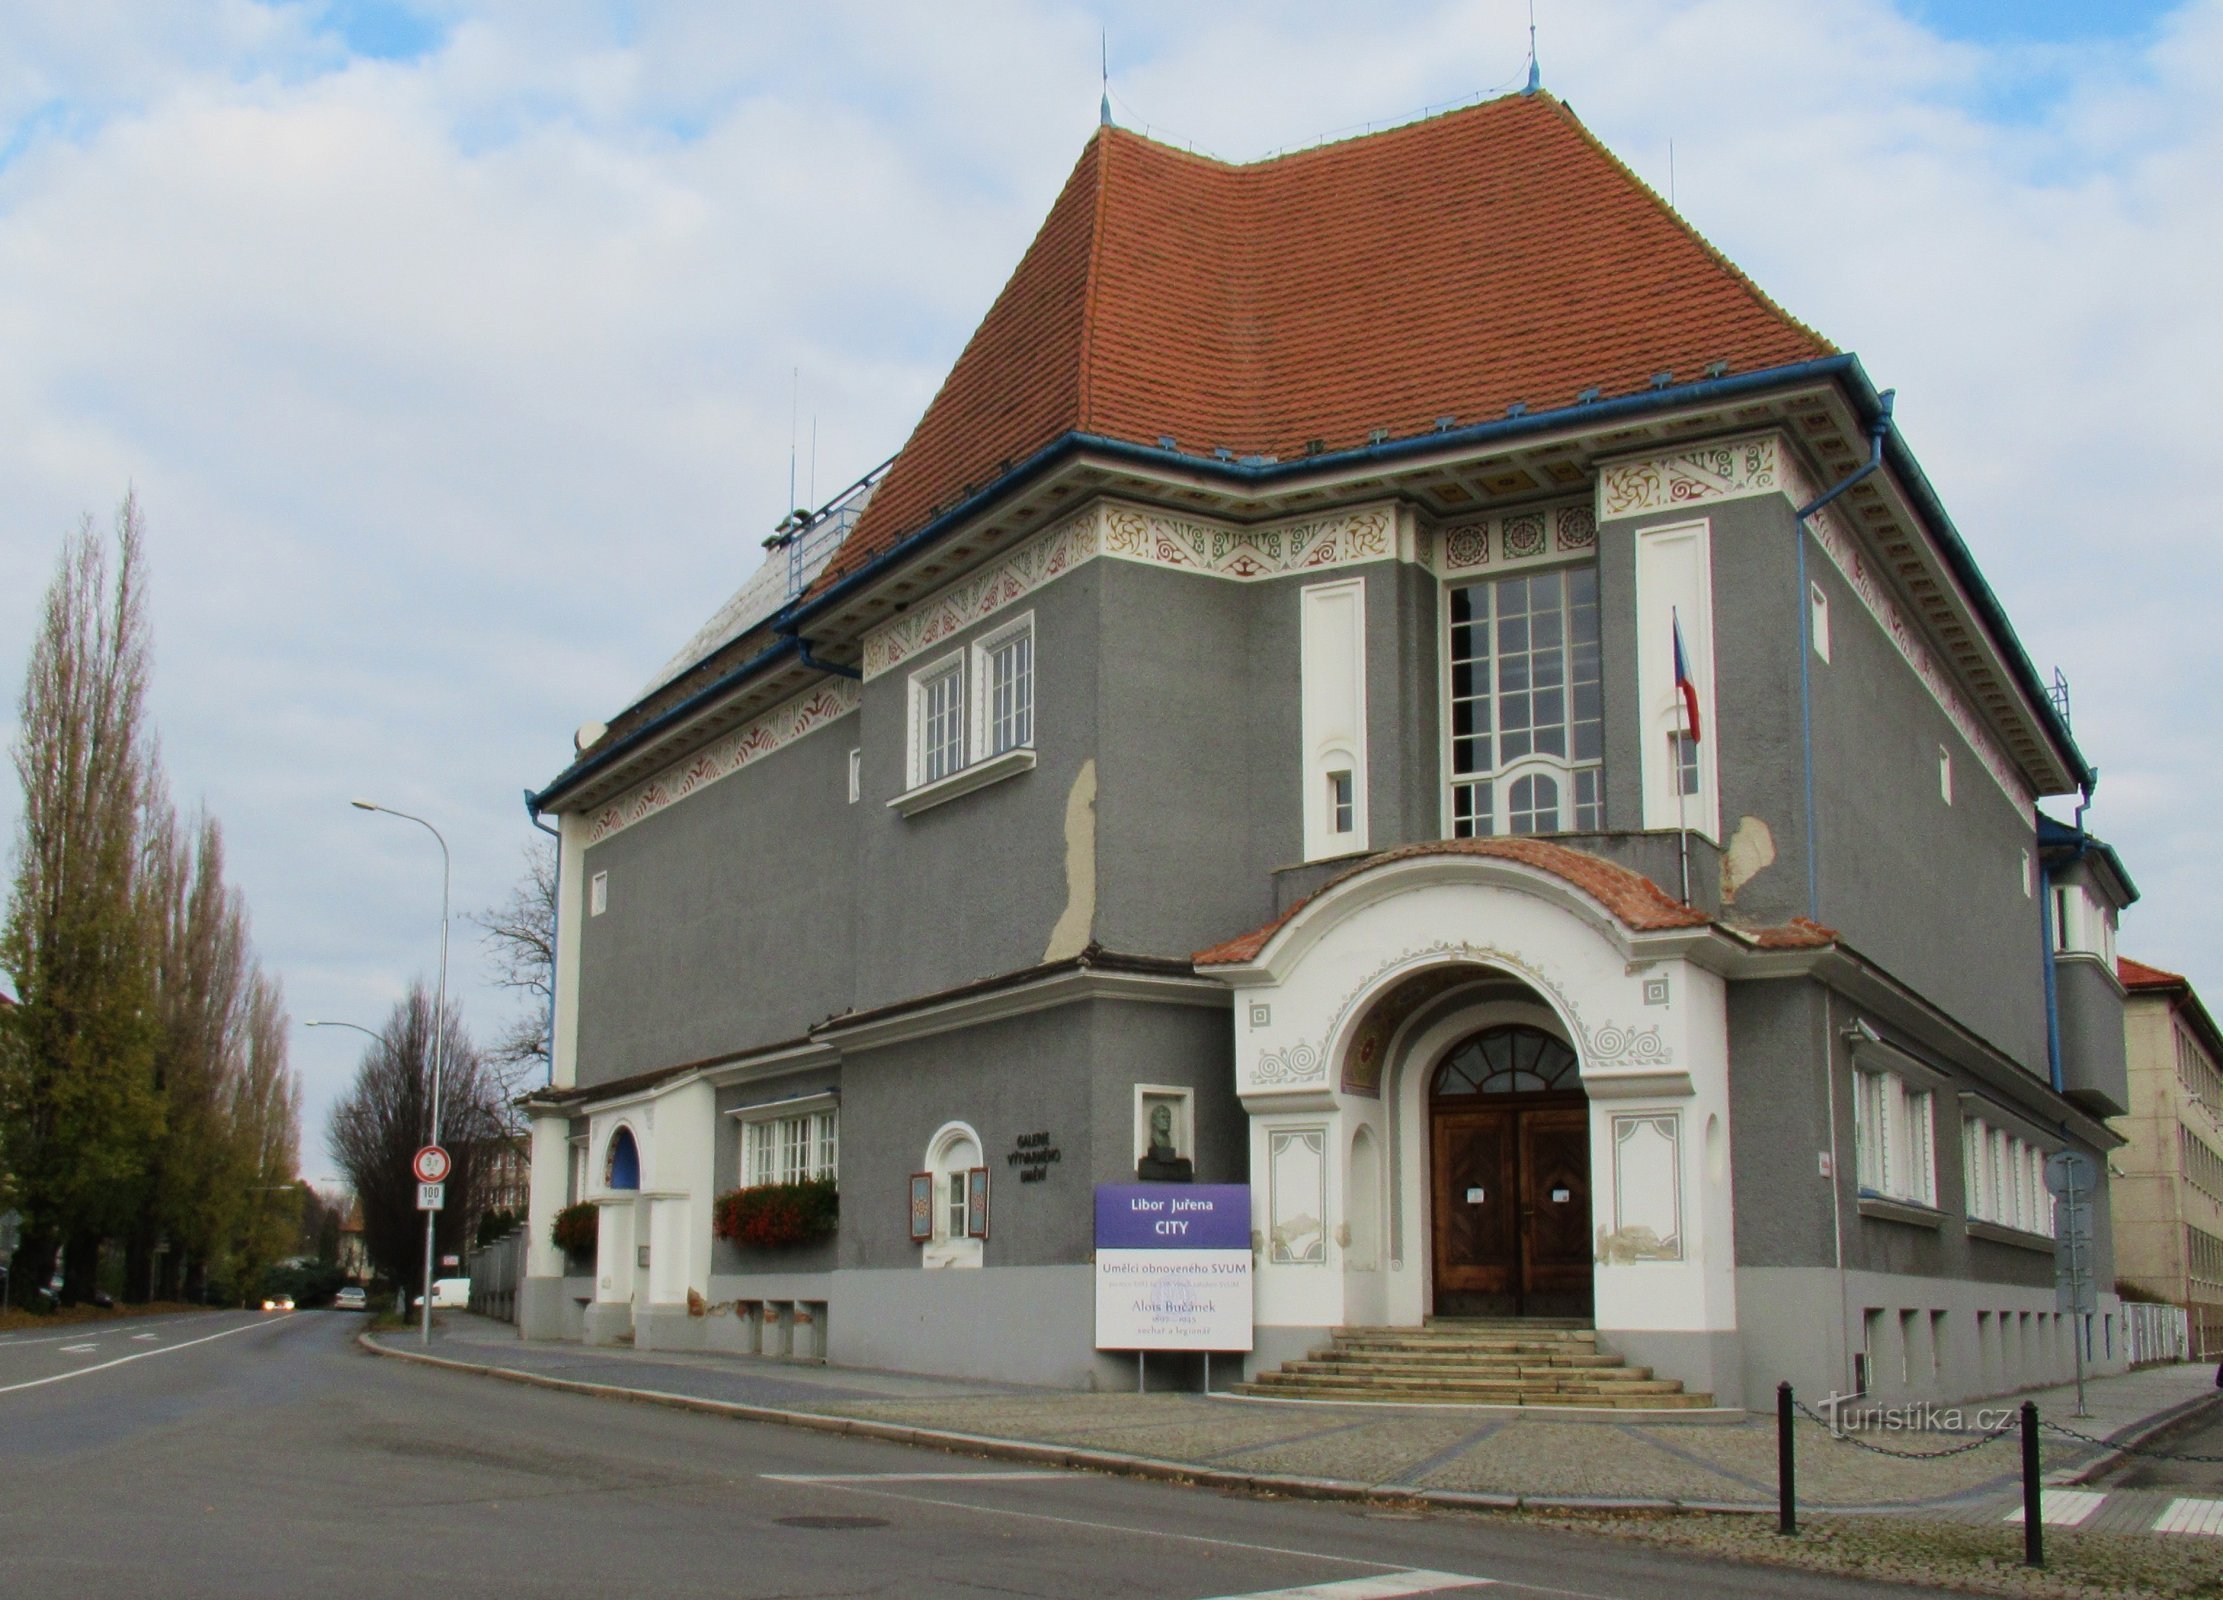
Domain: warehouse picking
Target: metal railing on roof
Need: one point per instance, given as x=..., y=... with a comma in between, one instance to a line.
x=809, y=539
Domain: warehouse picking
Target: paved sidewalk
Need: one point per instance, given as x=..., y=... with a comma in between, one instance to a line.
x=1456, y=1454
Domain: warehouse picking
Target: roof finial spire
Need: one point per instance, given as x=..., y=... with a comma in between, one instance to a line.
x=1103, y=109
x=1535, y=78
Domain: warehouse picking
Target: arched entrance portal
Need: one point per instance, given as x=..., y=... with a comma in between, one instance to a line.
x=1509, y=1147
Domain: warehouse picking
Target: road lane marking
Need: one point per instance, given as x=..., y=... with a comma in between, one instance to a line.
x=2062, y=1508
x=78, y=1349
x=1390, y=1586
x=10, y=1340
x=2192, y=1516
x=908, y=1477
x=141, y=1355
x=1107, y=1527
x=146, y=1337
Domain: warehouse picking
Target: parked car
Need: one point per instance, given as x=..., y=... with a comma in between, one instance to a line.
x=447, y=1293
x=351, y=1299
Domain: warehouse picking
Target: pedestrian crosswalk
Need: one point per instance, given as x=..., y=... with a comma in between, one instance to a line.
x=2062, y=1508
x=2192, y=1516
x=2127, y=1511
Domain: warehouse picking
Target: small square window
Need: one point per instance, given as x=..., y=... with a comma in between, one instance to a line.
x=1341, y=811
x=1686, y=764
x=598, y=894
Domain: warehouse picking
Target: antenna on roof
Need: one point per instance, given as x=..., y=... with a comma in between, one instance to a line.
x=1535, y=78
x=1103, y=108
x=794, y=416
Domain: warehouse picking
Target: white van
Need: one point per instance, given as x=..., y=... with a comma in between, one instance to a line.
x=447, y=1294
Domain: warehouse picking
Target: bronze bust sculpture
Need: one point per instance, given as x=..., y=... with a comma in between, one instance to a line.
x=1161, y=1163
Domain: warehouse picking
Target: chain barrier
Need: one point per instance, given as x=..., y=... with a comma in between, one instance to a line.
x=1844, y=1437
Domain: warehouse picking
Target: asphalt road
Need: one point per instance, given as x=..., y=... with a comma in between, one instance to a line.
x=236, y=1454
x=2199, y=1435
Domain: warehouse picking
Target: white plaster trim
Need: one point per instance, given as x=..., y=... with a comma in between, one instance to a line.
x=779, y=727
x=774, y=1110
x=964, y=780
x=1127, y=532
x=1058, y=989
x=1913, y=1213
x=2020, y=1238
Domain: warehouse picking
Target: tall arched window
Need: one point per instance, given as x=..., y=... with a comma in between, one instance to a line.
x=1512, y=1059
x=621, y=1168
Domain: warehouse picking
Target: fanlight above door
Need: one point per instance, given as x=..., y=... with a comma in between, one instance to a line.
x=1512, y=1059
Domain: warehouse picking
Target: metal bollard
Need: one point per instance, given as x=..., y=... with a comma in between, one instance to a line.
x=1786, y=1465
x=2033, y=1515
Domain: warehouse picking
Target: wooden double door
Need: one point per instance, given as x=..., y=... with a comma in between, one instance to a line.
x=1511, y=1206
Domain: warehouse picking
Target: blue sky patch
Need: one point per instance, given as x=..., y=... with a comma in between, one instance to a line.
x=382, y=30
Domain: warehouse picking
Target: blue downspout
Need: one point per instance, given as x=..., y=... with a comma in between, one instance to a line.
x=1876, y=432
x=803, y=654
x=555, y=930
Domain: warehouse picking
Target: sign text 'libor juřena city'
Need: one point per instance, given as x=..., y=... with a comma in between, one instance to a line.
x=1173, y=1266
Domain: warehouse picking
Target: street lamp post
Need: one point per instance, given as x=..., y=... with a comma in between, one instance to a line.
x=439, y=1030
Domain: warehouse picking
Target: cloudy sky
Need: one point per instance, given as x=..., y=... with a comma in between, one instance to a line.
x=451, y=348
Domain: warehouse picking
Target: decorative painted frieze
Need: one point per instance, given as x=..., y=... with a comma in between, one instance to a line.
x=1028, y=567
x=1728, y=471
x=1125, y=532
x=775, y=730
x=1612, y=1046
x=1516, y=538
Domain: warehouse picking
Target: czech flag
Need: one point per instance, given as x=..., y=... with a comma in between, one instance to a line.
x=1684, y=686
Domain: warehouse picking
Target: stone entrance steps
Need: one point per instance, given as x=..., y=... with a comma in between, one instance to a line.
x=1474, y=1361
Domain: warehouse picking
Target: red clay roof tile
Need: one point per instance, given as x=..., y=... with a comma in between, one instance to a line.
x=1640, y=904
x=1450, y=267
x=2137, y=975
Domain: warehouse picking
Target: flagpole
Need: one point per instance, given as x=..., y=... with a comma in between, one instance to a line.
x=1675, y=750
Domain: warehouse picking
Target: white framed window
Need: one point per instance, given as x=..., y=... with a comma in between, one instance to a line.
x=1817, y=603
x=1342, y=802
x=1893, y=1145
x=578, y=1168
x=1003, y=666
x=856, y=776
x=787, y=1144
x=937, y=720
x=954, y=1168
x=1945, y=774
x=2004, y=1178
x=1527, y=752
x=598, y=894
x=972, y=718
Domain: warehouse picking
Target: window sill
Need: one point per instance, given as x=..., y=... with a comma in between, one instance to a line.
x=964, y=781
x=2000, y=1233
x=1912, y=1213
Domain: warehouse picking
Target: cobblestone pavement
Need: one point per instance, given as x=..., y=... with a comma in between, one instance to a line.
x=1493, y=1453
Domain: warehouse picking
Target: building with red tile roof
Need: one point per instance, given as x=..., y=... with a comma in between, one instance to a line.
x=1396, y=681
x=2167, y=1180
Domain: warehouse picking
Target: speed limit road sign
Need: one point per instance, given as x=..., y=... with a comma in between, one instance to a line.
x=431, y=1165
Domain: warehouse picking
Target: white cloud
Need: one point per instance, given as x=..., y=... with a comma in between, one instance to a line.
x=457, y=389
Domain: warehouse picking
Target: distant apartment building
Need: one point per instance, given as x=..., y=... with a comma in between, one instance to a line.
x=2168, y=1180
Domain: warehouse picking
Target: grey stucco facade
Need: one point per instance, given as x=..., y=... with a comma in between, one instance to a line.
x=1020, y=960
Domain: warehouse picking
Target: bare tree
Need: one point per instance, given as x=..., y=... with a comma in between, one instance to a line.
x=78, y=1105
x=520, y=938
x=387, y=1116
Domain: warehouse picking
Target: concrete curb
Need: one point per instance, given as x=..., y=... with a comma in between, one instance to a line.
x=2124, y=1440
x=1078, y=1458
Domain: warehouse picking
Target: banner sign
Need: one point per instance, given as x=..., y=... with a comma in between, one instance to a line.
x=1173, y=1266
